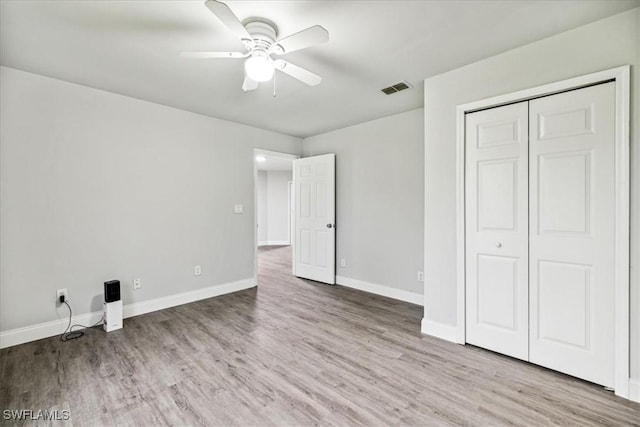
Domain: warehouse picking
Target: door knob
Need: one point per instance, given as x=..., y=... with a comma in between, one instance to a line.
x=498, y=244
x=329, y=225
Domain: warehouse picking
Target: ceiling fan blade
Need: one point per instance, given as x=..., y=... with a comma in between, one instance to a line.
x=303, y=39
x=299, y=73
x=204, y=55
x=249, y=84
x=228, y=18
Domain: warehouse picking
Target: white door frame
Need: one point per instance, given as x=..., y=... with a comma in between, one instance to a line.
x=621, y=75
x=257, y=152
x=290, y=215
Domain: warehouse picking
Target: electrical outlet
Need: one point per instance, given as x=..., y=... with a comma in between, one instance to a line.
x=197, y=271
x=137, y=284
x=420, y=276
x=343, y=263
x=60, y=292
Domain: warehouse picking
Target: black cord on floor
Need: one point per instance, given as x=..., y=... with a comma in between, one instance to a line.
x=69, y=333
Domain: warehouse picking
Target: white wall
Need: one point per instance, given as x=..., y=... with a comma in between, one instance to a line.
x=278, y=206
x=273, y=207
x=601, y=45
x=98, y=186
x=379, y=198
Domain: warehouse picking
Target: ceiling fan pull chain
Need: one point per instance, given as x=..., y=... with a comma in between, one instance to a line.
x=274, y=84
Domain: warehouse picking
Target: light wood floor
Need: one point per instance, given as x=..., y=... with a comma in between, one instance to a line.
x=292, y=352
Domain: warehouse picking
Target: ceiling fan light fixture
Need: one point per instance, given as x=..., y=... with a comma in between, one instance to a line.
x=260, y=37
x=259, y=68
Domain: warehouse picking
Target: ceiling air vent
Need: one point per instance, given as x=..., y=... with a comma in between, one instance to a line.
x=396, y=88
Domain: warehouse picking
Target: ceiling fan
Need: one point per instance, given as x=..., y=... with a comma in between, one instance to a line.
x=259, y=37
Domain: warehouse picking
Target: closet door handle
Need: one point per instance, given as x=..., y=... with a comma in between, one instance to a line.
x=498, y=244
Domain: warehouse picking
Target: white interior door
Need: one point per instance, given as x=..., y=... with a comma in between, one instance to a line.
x=314, y=247
x=496, y=229
x=572, y=191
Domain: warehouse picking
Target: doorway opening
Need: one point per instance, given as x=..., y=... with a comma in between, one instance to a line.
x=273, y=178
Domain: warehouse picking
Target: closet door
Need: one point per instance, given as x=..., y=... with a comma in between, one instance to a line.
x=572, y=232
x=496, y=229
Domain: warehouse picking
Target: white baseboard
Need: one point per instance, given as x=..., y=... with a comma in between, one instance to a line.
x=439, y=330
x=634, y=389
x=161, y=303
x=56, y=327
x=385, y=291
x=274, y=243
x=46, y=329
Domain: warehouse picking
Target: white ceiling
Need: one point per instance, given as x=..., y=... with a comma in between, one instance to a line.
x=132, y=47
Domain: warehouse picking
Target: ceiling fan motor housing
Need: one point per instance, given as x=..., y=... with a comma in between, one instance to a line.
x=263, y=32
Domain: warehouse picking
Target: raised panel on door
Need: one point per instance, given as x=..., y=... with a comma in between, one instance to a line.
x=314, y=246
x=564, y=193
x=497, y=194
x=566, y=324
x=497, y=293
x=496, y=229
x=572, y=232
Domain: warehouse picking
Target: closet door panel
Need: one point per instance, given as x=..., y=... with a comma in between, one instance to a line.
x=571, y=149
x=496, y=229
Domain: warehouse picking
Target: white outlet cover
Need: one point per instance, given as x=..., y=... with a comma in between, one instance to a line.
x=197, y=271
x=238, y=209
x=137, y=284
x=343, y=263
x=62, y=292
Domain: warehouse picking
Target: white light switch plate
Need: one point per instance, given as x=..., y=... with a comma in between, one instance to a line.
x=238, y=209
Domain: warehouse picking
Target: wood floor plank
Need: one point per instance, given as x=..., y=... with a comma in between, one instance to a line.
x=292, y=352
